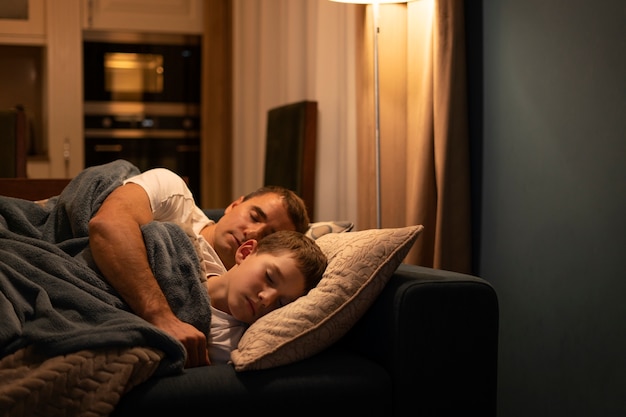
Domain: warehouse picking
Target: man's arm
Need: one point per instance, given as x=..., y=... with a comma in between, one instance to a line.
x=119, y=251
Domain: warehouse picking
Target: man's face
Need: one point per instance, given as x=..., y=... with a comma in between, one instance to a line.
x=262, y=283
x=250, y=219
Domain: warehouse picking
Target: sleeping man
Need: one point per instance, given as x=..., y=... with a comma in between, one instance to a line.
x=119, y=251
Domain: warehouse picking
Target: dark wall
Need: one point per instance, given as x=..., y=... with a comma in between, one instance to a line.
x=548, y=132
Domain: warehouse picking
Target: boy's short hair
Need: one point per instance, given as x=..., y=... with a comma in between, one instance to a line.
x=296, y=209
x=308, y=256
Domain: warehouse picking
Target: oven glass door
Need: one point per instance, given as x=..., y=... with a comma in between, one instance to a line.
x=127, y=76
x=121, y=72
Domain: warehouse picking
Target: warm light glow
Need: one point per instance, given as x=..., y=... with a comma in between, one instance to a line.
x=370, y=1
x=375, y=12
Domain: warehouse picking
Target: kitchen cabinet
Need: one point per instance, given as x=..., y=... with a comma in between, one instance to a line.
x=22, y=22
x=162, y=16
x=54, y=28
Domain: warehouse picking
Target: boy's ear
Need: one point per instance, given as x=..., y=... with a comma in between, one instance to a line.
x=233, y=204
x=245, y=249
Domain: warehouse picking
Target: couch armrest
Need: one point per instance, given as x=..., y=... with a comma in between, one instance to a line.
x=436, y=332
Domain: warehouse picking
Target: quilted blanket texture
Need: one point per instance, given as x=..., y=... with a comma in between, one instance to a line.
x=57, y=311
x=86, y=383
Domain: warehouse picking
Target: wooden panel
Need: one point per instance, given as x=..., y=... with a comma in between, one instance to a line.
x=32, y=189
x=161, y=16
x=290, y=152
x=217, y=114
x=13, y=142
x=36, y=188
x=63, y=91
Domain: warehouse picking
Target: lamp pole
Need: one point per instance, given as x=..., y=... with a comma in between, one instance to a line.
x=375, y=14
x=376, y=115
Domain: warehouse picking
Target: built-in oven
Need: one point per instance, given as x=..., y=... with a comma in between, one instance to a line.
x=142, y=101
x=141, y=67
x=149, y=135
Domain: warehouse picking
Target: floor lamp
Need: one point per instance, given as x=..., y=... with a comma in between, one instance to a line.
x=376, y=29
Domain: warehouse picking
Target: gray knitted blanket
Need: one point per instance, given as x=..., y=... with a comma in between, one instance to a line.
x=53, y=299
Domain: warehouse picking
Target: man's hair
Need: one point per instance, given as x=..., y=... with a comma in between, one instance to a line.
x=296, y=209
x=309, y=258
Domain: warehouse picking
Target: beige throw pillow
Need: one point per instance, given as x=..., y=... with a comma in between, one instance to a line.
x=359, y=265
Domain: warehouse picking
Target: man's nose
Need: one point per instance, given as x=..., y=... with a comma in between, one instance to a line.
x=256, y=231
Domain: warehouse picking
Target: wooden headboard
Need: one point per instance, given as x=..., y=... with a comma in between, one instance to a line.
x=32, y=188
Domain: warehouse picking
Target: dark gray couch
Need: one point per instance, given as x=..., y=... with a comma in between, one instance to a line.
x=427, y=347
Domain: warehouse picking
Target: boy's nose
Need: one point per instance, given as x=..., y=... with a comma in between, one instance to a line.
x=268, y=297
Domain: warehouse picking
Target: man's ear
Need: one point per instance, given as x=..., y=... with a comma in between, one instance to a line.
x=246, y=248
x=233, y=204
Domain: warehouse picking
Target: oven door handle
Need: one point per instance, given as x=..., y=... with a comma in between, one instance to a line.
x=187, y=148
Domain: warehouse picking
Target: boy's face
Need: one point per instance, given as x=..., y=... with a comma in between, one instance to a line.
x=262, y=283
x=250, y=219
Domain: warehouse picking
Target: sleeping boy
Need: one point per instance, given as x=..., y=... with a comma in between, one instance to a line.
x=269, y=274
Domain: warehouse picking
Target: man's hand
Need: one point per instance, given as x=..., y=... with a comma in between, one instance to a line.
x=193, y=340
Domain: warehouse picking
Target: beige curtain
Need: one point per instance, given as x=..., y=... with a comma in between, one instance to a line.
x=286, y=51
x=424, y=134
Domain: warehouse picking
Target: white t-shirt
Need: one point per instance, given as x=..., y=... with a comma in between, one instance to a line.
x=172, y=201
x=224, y=337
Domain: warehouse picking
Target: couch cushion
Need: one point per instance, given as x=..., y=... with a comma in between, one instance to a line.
x=359, y=265
x=335, y=381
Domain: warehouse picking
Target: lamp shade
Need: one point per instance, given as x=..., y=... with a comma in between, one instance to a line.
x=370, y=1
